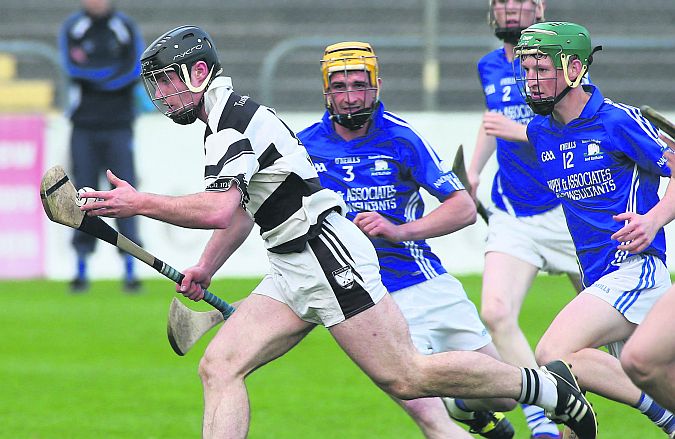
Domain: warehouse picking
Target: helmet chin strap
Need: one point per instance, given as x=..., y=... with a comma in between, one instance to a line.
x=564, y=59
x=353, y=121
x=190, y=115
x=186, y=117
x=188, y=81
x=509, y=36
x=544, y=107
x=356, y=120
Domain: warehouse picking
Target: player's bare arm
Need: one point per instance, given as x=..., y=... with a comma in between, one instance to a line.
x=640, y=230
x=203, y=210
x=485, y=146
x=636, y=235
x=222, y=244
x=455, y=213
x=671, y=144
x=498, y=125
x=669, y=155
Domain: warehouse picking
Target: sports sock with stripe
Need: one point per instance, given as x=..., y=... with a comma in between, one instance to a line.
x=537, y=389
x=658, y=415
x=538, y=423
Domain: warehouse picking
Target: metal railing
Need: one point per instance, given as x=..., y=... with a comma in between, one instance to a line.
x=278, y=53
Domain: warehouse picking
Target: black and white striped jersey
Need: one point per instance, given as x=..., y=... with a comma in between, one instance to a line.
x=247, y=144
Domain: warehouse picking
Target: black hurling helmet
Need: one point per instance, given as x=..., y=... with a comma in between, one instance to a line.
x=177, y=51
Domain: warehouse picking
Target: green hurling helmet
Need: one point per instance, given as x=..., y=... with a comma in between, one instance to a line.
x=560, y=41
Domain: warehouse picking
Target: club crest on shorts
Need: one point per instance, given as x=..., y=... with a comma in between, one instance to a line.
x=344, y=277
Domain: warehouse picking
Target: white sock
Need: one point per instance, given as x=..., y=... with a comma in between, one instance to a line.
x=538, y=389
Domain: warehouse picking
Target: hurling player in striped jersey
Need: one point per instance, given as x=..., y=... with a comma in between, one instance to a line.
x=604, y=161
x=527, y=232
x=379, y=163
x=323, y=269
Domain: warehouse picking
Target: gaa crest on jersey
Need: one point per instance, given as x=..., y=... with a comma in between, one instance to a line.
x=344, y=277
x=593, y=151
x=380, y=167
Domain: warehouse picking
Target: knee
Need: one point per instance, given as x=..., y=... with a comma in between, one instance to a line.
x=402, y=383
x=637, y=366
x=217, y=370
x=209, y=371
x=498, y=315
x=546, y=352
x=400, y=388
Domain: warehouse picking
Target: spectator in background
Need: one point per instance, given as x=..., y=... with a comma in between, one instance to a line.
x=100, y=49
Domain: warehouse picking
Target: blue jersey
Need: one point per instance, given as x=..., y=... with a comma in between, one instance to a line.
x=383, y=171
x=515, y=188
x=101, y=56
x=607, y=161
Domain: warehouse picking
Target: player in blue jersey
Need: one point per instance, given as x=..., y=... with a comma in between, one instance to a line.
x=649, y=355
x=379, y=163
x=526, y=231
x=604, y=162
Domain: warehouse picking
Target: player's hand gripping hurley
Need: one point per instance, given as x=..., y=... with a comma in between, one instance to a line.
x=59, y=201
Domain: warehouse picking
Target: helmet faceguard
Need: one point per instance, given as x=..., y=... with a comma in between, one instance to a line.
x=167, y=89
x=561, y=43
x=344, y=58
x=508, y=18
x=177, y=51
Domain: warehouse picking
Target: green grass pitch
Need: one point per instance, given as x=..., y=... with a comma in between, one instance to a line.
x=98, y=365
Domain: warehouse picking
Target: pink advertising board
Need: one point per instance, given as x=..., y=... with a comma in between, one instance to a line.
x=22, y=241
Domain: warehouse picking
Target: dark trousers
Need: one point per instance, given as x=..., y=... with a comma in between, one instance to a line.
x=92, y=152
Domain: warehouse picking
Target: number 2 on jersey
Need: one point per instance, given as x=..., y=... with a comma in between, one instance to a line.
x=506, y=93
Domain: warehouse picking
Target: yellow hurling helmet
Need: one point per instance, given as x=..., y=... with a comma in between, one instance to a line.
x=345, y=57
x=350, y=55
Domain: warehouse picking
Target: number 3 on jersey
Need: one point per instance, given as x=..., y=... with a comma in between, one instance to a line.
x=349, y=170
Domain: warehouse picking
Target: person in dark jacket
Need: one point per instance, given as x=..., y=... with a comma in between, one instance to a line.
x=100, y=50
